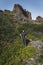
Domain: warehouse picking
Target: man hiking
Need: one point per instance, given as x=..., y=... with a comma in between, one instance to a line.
x=23, y=36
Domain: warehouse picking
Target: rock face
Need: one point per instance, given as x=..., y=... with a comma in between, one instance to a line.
x=21, y=14
x=39, y=19
x=37, y=44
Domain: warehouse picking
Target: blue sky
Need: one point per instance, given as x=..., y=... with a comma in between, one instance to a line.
x=34, y=6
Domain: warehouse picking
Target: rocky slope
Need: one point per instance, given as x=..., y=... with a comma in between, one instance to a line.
x=38, y=58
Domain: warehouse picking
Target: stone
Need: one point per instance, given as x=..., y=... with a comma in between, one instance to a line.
x=39, y=19
x=21, y=14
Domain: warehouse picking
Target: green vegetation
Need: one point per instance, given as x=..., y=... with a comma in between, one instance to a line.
x=12, y=50
x=33, y=31
x=15, y=53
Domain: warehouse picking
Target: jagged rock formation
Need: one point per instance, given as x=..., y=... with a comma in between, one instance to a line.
x=39, y=19
x=21, y=14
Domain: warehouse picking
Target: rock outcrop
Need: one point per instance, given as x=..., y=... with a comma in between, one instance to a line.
x=21, y=14
x=39, y=19
x=37, y=59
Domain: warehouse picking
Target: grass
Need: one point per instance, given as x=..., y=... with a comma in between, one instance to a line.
x=16, y=53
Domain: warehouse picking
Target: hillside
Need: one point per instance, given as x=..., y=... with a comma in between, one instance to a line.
x=12, y=50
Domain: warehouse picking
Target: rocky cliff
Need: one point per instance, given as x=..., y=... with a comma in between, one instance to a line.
x=39, y=19
x=21, y=14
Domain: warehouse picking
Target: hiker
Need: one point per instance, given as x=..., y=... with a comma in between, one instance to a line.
x=23, y=36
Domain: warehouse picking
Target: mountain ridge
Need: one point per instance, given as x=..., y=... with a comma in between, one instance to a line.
x=20, y=14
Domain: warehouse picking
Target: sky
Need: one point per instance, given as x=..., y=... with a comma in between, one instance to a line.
x=34, y=6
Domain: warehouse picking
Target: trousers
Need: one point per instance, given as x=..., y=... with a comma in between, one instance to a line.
x=24, y=41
